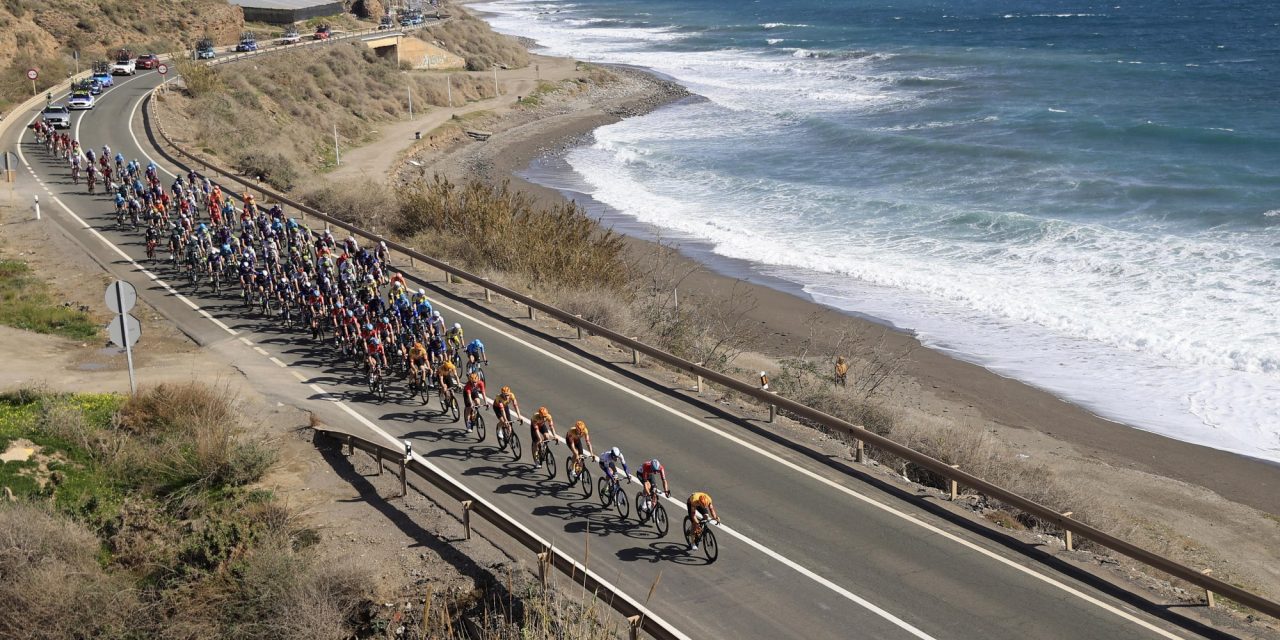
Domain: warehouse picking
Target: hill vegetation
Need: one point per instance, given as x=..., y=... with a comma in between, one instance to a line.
x=47, y=35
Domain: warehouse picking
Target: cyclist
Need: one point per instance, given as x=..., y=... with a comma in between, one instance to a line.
x=700, y=503
x=377, y=355
x=475, y=352
x=419, y=366
x=609, y=462
x=453, y=339
x=579, y=440
x=505, y=406
x=649, y=473
x=473, y=398
x=446, y=374
x=541, y=428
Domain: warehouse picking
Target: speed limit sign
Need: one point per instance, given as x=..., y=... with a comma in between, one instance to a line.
x=162, y=69
x=32, y=74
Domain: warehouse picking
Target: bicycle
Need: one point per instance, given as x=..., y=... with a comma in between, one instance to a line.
x=475, y=420
x=448, y=401
x=544, y=457
x=611, y=494
x=418, y=384
x=710, y=548
x=651, y=507
x=511, y=439
x=575, y=468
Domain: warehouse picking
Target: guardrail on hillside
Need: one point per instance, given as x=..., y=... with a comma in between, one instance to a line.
x=859, y=434
x=547, y=556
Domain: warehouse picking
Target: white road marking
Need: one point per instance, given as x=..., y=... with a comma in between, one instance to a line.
x=299, y=376
x=277, y=362
x=246, y=341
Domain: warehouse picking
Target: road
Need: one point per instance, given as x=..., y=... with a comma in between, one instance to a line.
x=806, y=549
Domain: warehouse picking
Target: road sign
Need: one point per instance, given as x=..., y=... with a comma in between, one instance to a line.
x=162, y=69
x=117, y=330
x=32, y=74
x=121, y=296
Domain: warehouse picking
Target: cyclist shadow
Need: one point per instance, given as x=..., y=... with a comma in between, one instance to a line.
x=422, y=415
x=497, y=473
x=538, y=490
x=461, y=454
x=662, y=551
x=574, y=513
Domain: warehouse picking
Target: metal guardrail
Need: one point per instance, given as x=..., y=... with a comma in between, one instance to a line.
x=638, y=616
x=858, y=433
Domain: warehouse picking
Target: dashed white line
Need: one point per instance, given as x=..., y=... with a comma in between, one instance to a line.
x=246, y=341
x=262, y=351
x=277, y=362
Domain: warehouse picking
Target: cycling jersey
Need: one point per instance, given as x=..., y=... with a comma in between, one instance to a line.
x=647, y=471
x=700, y=500
x=475, y=347
x=447, y=369
x=576, y=434
x=454, y=337
x=418, y=353
x=473, y=389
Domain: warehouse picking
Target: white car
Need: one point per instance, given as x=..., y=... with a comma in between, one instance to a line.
x=124, y=67
x=291, y=37
x=57, y=116
x=81, y=101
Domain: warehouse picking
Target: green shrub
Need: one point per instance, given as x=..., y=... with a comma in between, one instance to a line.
x=25, y=303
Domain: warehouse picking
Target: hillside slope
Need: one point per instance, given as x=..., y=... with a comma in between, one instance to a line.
x=43, y=35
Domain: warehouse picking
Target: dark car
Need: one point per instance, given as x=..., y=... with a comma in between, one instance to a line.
x=386, y=23
x=248, y=42
x=204, y=50
x=147, y=61
x=322, y=32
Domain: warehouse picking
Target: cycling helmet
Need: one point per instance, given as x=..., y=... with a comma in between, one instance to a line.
x=350, y=314
x=581, y=425
x=374, y=341
x=435, y=314
x=368, y=327
x=542, y=411
x=506, y=390
x=657, y=466
x=337, y=304
x=457, y=325
x=422, y=292
x=473, y=378
x=617, y=453
x=385, y=320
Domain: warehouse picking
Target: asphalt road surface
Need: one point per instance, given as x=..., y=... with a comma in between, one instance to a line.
x=806, y=550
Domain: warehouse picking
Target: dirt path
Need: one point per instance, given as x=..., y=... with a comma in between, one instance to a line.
x=379, y=158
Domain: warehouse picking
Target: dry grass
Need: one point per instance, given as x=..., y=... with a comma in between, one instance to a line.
x=471, y=38
x=274, y=116
x=495, y=227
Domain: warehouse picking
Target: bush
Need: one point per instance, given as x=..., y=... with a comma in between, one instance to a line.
x=497, y=228
x=199, y=79
x=363, y=202
x=272, y=167
x=26, y=303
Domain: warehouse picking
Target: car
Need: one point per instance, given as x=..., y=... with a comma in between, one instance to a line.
x=57, y=116
x=386, y=23
x=104, y=78
x=291, y=37
x=80, y=101
x=204, y=50
x=147, y=61
x=248, y=42
x=323, y=32
x=94, y=87
x=124, y=67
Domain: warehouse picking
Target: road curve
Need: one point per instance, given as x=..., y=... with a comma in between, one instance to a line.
x=807, y=549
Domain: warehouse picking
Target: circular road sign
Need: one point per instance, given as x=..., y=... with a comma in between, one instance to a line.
x=32, y=74
x=162, y=69
x=117, y=327
x=121, y=296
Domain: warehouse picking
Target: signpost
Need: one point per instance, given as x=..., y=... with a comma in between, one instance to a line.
x=162, y=69
x=32, y=74
x=124, y=329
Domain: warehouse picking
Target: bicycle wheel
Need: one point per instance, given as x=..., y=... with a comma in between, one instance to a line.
x=709, y=545
x=422, y=391
x=660, y=519
x=688, y=531
x=444, y=402
x=585, y=477
x=515, y=445
x=606, y=496
x=453, y=406
x=549, y=461
x=643, y=507
x=569, y=476
x=479, y=426
x=620, y=503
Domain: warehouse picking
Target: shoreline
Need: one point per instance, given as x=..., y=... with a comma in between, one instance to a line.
x=1027, y=417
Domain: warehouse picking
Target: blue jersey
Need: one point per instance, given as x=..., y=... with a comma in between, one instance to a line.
x=475, y=347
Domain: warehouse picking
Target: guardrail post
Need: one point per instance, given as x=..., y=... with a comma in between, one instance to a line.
x=860, y=451
x=377, y=454
x=633, y=628
x=37, y=207
x=488, y=295
x=466, y=517
x=544, y=560
x=404, y=484
x=955, y=487
x=448, y=278
x=578, y=326
x=531, y=314
x=1069, y=541
x=773, y=412
x=351, y=448
x=1207, y=593
x=635, y=354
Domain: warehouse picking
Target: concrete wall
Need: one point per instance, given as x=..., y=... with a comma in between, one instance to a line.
x=424, y=55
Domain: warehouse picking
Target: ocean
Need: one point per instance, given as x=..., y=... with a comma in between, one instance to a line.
x=1084, y=196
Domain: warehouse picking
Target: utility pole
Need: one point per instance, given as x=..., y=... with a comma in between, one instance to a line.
x=76, y=55
x=496, y=92
x=448, y=81
x=410, y=102
x=337, y=157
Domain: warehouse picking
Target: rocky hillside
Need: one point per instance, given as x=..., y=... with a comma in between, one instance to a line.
x=43, y=34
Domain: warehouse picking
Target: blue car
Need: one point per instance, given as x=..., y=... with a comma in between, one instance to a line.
x=247, y=44
x=104, y=78
x=95, y=88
